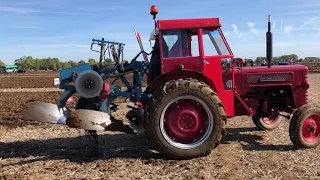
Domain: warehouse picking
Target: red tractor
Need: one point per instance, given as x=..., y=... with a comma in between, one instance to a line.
x=194, y=85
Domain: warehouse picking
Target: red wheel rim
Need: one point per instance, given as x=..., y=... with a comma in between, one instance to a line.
x=271, y=119
x=311, y=128
x=185, y=121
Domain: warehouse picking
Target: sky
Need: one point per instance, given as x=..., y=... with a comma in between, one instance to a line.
x=65, y=28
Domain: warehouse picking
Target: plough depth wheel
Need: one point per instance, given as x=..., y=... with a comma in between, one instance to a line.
x=269, y=123
x=185, y=120
x=304, y=129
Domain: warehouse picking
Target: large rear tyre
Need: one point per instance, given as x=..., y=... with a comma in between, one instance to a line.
x=185, y=119
x=304, y=129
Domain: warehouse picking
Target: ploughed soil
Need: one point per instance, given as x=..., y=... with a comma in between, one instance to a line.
x=32, y=150
x=43, y=79
x=313, y=67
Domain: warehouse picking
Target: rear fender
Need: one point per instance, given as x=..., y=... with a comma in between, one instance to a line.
x=160, y=81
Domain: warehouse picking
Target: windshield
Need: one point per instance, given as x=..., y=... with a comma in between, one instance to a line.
x=214, y=44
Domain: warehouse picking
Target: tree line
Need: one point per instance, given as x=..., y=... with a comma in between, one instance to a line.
x=286, y=58
x=28, y=62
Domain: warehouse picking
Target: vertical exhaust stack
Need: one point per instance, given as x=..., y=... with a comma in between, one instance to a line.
x=269, y=42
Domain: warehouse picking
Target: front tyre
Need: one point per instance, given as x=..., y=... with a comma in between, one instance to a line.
x=184, y=120
x=304, y=129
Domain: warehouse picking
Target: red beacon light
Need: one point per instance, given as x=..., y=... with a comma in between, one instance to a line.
x=153, y=11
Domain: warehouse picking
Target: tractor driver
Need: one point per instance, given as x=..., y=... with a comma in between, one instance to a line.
x=180, y=48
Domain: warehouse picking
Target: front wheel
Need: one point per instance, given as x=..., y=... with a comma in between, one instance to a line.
x=185, y=120
x=304, y=129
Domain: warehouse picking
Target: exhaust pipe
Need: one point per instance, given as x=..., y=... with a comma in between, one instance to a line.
x=269, y=42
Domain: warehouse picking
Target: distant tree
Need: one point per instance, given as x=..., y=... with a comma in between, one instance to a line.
x=81, y=62
x=92, y=61
x=311, y=59
x=72, y=63
x=109, y=61
x=20, y=61
x=2, y=63
x=286, y=58
x=276, y=59
x=259, y=60
x=66, y=65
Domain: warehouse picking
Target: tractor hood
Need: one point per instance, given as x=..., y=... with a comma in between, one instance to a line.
x=284, y=74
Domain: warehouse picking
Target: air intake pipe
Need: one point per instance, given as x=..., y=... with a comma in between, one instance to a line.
x=269, y=42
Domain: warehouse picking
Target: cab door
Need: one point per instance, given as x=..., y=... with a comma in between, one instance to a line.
x=214, y=53
x=177, y=51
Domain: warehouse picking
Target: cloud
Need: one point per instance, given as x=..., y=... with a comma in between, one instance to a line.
x=17, y=3
x=16, y=10
x=281, y=26
x=60, y=12
x=305, y=5
x=250, y=24
x=285, y=44
x=128, y=46
x=301, y=12
x=287, y=30
x=235, y=28
x=310, y=21
x=26, y=27
x=50, y=45
x=254, y=30
x=274, y=24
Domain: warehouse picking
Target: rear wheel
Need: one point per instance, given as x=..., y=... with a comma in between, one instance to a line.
x=185, y=120
x=304, y=129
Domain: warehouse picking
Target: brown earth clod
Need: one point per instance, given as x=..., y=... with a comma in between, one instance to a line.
x=73, y=120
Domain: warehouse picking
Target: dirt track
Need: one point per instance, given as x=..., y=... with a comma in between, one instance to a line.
x=31, y=150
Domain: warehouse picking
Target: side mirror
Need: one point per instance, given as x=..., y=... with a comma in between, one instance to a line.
x=226, y=63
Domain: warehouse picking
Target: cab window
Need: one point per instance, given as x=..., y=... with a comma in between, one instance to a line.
x=179, y=43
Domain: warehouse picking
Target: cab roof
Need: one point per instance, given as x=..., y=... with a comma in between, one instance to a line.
x=189, y=23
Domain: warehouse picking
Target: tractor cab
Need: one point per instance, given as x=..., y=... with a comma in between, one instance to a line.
x=192, y=48
x=184, y=44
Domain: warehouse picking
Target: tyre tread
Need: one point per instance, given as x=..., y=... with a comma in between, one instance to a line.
x=176, y=85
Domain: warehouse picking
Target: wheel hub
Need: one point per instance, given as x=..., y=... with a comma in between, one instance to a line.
x=185, y=121
x=188, y=121
x=271, y=119
x=311, y=128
